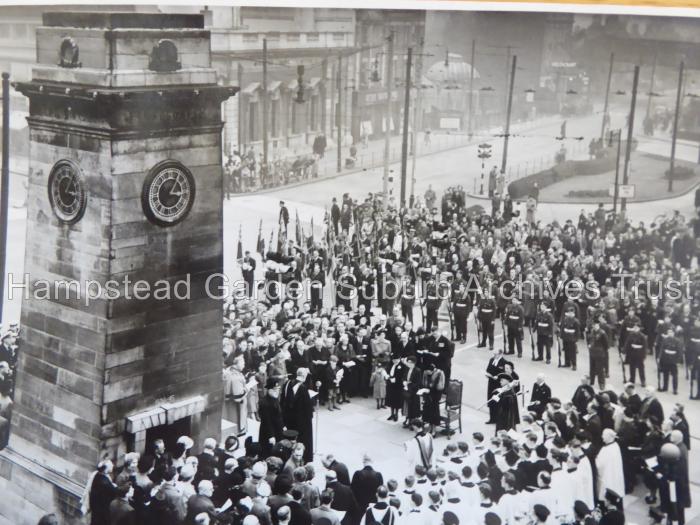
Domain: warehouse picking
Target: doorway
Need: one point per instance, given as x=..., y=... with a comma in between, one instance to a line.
x=169, y=433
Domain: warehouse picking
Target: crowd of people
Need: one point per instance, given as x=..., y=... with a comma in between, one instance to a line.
x=9, y=344
x=381, y=283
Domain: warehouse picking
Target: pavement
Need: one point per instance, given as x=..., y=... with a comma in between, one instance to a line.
x=359, y=427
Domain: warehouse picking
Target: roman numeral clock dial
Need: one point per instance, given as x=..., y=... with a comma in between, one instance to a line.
x=67, y=191
x=168, y=193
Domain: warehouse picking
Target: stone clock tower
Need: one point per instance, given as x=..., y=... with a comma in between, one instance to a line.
x=125, y=183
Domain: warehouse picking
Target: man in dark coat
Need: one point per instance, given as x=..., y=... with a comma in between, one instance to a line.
x=102, y=492
x=248, y=271
x=410, y=384
x=541, y=395
x=298, y=411
x=344, y=499
x=339, y=468
x=270, y=413
x=284, y=216
x=365, y=483
x=494, y=368
x=335, y=215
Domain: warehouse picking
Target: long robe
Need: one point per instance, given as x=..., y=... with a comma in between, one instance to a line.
x=298, y=414
x=506, y=411
x=610, y=473
x=271, y=424
x=584, y=485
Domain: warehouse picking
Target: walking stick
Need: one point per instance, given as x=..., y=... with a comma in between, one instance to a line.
x=658, y=375
x=532, y=340
x=318, y=413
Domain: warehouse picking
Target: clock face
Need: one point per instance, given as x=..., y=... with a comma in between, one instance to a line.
x=67, y=191
x=168, y=193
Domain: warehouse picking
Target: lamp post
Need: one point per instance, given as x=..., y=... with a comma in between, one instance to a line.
x=508, y=112
x=4, y=182
x=630, y=136
x=675, y=126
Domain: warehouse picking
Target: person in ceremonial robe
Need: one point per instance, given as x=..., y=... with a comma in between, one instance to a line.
x=270, y=412
x=609, y=465
x=410, y=384
x=298, y=411
x=506, y=404
x=494, y=368
x=420, y=449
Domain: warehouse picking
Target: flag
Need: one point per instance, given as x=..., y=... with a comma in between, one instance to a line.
x=297, y=229
x=312, y=230
x=260, y=245
x=239, y=250
x=272, y=236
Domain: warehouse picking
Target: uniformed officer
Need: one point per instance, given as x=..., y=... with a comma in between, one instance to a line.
x=598, y=350
x=635, y=350
x=461, y=306
x=408, y=299
x=432, y=304
x=570, y=333
x=670, y=354
x=487, y=314
x=515, y=320
x=627, y=324
x=345, y=289
x=544, y=322
x=694, y=358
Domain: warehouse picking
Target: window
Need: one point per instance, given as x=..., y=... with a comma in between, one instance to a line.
x=293, y=37
x=312, y=37
x=250, y=37
x=273, y=36
x=338, y=37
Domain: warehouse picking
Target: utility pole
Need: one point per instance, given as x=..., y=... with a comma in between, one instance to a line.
x=675, y=126
x=607, y=96
x=4, y=183
x=616, y=193
x=404, y=138
x=651, y=86
x=508, y=50
x=324, y=93
x=630, y=131
x=241, y=119
x=387, y=132
x=470, y=129
x=508, y=111
x=264, y=101
x=417, y=110
x=339, y=113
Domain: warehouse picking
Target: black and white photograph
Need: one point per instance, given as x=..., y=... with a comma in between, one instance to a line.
x=402, y=262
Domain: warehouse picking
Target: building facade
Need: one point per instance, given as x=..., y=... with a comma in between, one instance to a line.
x=374, y=26
x=301, y=103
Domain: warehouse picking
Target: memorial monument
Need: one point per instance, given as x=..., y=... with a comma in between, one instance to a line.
x=125, y=182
